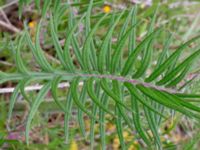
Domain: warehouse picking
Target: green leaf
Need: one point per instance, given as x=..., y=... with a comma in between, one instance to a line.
x=147, y=53
x=163, y=55
x=94, y=112
x=37, y=52
x=118, y=92
x=133, y=55
x=152, y=125
x=12, y=101
x=167, y=101
x=132, y=37
x=94, y=98
x=119, y=127
x=77, y=102
x=136, y=120
x=68, y=112
x=185, y=65
x=58, y=48
x=105, y=86
x=105, y=43
x=19, y=62
x=66, y=53
x=54, y=86
x=167, y=63
x=118, y=52
x=75, y=44
x=83, y=97
x=102, y=131
x=86, y=48
x=34, y=108
x=134, y=91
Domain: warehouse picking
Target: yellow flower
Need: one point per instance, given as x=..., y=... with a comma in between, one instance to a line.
x=73, y=145
x=125, y=134
x=127, y=137
x=107, y=9
x=116, y=143
x=32, y=24
x=110, y=127
x=134, y=146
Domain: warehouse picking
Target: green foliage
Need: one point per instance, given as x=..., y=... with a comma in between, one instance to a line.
x=109, y=79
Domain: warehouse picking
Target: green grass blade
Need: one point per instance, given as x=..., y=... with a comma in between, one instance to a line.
x=37, y=4
x=45, y=7
x=21, y=2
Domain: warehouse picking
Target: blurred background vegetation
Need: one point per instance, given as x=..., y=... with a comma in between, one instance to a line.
x=180, y=17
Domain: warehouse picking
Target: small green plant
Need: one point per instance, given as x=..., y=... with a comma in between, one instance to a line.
x=115, y=76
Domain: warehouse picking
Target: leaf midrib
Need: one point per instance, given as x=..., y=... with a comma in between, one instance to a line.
x=84, y=76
